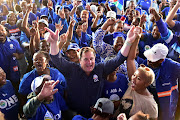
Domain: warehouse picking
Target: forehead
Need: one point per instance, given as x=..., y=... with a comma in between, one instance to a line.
x=38, y=55
x=2, y=28
x=1, y=71
x=84, y=12
x=155, y=28
x=88, y=54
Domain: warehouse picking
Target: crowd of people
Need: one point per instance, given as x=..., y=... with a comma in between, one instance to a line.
x=89, y=60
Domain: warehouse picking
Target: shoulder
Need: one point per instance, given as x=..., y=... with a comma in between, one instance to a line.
x=78, y=117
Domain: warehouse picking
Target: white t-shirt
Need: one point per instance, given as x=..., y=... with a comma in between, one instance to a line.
x=133, y=102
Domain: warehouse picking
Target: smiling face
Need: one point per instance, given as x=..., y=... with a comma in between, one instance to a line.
x=24, y=6
x=44, y=46
x=155, y=32
x=2, y=77
x=119, y=27
x=139, y=81
x=12, y=19
x=84, y=16
x=72, y=55
x=40, y=62
x=87, y=61
x=42, y=29
x=118, y=43
x=3, y=34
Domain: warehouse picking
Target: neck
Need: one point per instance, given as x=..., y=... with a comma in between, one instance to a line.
x=45, y=71
x=111, y=78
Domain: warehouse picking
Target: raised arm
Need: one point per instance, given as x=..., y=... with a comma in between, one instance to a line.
x=99, y=45
x=89, y=9
x=25, y=20
x=131, y=67
x=169, y=18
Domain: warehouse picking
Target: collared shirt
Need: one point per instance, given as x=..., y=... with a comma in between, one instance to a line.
x=83, y=91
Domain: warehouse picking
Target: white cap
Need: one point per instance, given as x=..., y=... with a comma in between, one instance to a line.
x=38, y=81
x=157, y=52
x=111, y=14
x=44, y=21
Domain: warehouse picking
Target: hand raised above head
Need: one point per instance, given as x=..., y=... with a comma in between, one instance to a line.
x=48, y=90
x=134, y=33
x=59, y=26
x=53, y=36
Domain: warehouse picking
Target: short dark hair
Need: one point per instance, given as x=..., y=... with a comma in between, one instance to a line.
x=79, y=23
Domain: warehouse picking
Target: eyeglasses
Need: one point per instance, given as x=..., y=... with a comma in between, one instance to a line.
x=143, y=66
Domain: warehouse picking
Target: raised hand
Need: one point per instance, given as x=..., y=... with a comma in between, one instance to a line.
x=154, y=13
x=88, y=7
x=53, y=36
x=72, y=22
x=84, y=27
x=61, y=13
x=50, y=4
x=63, y=37
x=121, y=116
x=134, y=33
x=47, y=90
x=33, y=31
x=59, y=26
x=29, y=7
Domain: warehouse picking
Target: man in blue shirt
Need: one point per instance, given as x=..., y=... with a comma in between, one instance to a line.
x=85, y=80
x=10, y=51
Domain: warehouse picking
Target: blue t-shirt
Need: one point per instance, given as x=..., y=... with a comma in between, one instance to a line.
x=51, y=111
x=9, y=103
x=118, y=87
x=7, y=61
x=31, y=17
x=14, y=31
x=25, y=84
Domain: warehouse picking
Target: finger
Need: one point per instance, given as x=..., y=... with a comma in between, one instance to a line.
x=132, y=28
x=50, y=31
x=54, y=91
x=56, y=32
x=55, y=83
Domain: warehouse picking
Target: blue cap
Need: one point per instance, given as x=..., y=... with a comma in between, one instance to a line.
x=73, y=46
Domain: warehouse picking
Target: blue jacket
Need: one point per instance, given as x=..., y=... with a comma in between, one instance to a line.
x=83, y=91
x=167, y=88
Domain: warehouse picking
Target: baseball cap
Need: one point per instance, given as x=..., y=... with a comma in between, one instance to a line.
x=157, y=52
x=38, y=81
x=73, y=46
x=44, y=21
x=43, y=16
x=114, y=97
x=104, y=105
x=111, y=14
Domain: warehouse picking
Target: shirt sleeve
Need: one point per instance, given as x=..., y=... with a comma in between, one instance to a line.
x=31, y=107
x=99, y=45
